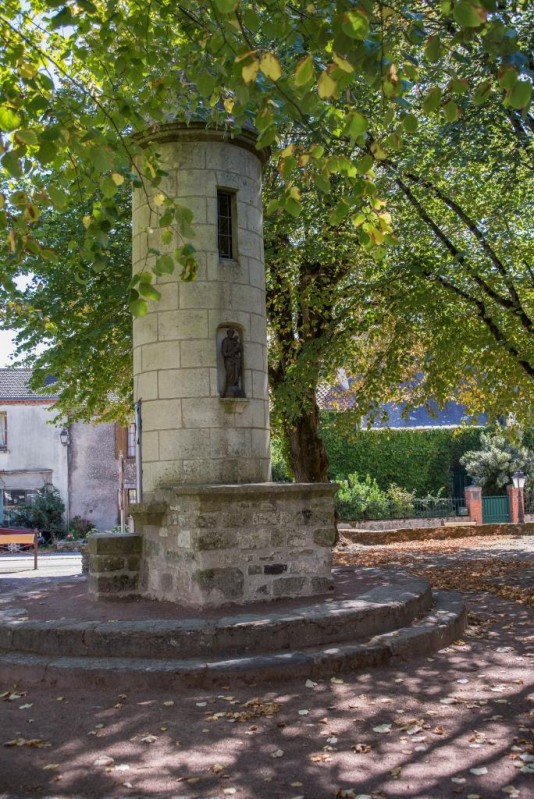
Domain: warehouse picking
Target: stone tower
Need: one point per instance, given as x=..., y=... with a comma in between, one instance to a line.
x=210, y=529
x=192, y=433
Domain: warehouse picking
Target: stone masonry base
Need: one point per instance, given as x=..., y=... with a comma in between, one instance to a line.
x=211, y=545
x=114, y=562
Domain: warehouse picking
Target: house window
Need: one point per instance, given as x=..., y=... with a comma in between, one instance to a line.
x=132, y=496
x=225, y=223
x=3, y=430
x=14, y=499
x=131, y=442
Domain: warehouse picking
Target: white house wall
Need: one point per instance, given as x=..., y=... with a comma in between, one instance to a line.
x=34, y=454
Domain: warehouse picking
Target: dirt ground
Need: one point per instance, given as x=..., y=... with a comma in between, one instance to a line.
x=458, y=724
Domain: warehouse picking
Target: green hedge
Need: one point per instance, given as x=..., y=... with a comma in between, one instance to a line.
x=421, y=461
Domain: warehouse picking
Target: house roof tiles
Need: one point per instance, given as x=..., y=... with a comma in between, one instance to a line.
x=14, y=386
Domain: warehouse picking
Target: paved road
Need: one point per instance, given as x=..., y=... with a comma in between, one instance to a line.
x=56, y=564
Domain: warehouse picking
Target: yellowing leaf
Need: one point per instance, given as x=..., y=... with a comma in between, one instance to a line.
x=270, y=66
x=117, y=179
x=250, y=71
x=326, y=86
x=304, y=71
x=342, y=63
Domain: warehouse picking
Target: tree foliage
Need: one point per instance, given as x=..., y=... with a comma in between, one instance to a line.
x=502, y=453
x=384, y=122
x=80, y=316
x=77, y=79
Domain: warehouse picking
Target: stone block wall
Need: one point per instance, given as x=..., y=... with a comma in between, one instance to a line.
x=206, y=546
x=114, y=563
x=190, y=434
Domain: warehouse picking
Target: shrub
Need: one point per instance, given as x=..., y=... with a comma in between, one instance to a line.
x=361, y=499
x=502, y=453
x=45, y=513
x=79, y=527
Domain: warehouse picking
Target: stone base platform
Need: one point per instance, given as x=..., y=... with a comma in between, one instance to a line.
x=372, y=618
x=214, y=545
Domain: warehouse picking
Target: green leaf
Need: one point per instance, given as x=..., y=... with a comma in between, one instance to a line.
x=520, y=94
x=164, y=265
x=101, y=159
x=206, y=84
x=293, y=207
x=469, y=14
x=138, y=307
x=58, y=196
x=355, y=124
x=12, y=164
x=9, y=119
x=364, y=164
x=410, y=123
x=304, y=72
x=432, y=100
x=482, y=92
x=63, y=18
x=355, y=24
x=451, y=111
x=149, y=292
x=28, y=137
x=433, y=49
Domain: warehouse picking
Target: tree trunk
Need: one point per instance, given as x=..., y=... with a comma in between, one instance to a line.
x=309, y=460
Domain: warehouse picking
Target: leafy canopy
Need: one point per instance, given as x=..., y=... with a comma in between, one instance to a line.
x=79, y=79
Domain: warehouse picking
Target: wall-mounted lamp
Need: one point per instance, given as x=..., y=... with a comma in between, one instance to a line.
x=64, y=437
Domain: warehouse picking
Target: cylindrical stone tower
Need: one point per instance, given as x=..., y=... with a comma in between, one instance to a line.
x=200, y=353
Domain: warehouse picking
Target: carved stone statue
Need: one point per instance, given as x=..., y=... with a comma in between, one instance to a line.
x=233, y=365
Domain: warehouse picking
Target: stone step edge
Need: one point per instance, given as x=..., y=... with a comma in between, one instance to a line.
x=438, y=629
x=379, y=610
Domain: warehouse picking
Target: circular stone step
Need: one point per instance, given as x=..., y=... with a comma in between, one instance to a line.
x=364, y=604
x=437, y=629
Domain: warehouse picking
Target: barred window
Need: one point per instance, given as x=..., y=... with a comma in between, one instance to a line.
x=225, y=206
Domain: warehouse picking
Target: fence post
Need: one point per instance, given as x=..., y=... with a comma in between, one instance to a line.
x=473, y=500
x=514, y=500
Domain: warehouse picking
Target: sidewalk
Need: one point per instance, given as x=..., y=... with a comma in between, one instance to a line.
x=451, y=726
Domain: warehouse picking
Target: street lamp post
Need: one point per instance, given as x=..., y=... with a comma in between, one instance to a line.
x=519, y=482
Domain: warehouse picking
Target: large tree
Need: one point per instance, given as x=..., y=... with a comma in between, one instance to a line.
x=78, y=78
x=362, y=103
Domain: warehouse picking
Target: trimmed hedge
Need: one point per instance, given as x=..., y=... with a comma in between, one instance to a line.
x=421, y=461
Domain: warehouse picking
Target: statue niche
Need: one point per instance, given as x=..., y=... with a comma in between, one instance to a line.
x=232, y=364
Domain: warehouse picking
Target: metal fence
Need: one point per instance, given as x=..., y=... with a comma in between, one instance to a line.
x=433, y=507
x=529, y=500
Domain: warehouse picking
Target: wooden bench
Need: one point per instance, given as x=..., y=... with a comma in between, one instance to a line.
x=22, y=536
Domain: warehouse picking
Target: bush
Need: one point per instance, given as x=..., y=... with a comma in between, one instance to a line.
x=364, y=499
x=79, y=527
x=45, y=513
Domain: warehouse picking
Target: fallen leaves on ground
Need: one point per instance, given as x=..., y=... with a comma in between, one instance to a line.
x=494, y=575
x=35, y=743
x=254, y=709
